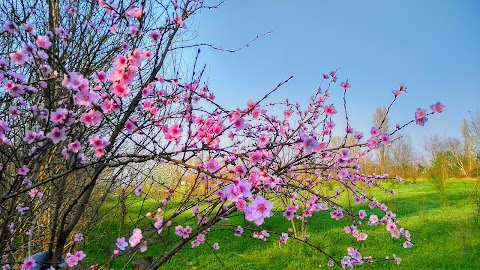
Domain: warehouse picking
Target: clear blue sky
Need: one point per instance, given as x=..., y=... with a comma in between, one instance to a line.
x=432, y=46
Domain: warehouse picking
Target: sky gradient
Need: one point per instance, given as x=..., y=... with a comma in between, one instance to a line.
x=430, y=46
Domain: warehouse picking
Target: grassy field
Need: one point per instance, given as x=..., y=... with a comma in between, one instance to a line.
x=444, y=223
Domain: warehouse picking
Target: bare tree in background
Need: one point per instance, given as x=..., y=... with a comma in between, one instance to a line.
x=403, y=157
x=473, y=132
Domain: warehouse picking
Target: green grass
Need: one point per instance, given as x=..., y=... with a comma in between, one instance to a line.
x=443, y=225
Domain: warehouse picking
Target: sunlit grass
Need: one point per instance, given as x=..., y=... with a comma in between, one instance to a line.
x=442, y=224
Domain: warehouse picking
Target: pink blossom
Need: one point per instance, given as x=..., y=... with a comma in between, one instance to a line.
x=215, y=246
x=98, y=142
x=9, y=27
x=101, y=76
x=362, y=237
x=323, y=207
x=22, y=209
x=239, y=231
x=255, y=157
x=263, y=140
x=395, y=233
x=132, y=30
x=80, y=255
x=287, y=113
x=241, y=204
x=201, y=238
x=212, y=166
x=195, y=243
x=391, y=226
x=173, y=133
x=258, y=210
x=421, y=121
x=179, y=230
x=437, y=107
x=32, y=192
x=137, y=56
x=195, y=211
x=155, y=36
x=240, y=170
x=43, y=42
x=78, y=237
x=337, y=214
x=183, y=232
x=114, y=29
x=109, y=105
x=91, y=118
x=239, y=123
x=4, y=126
x=86, y=98
x=309, y=145
x=139, y=190
x=261, y=235
x=59, y=116
x=29, y=263
x=75, y=81
x=345, y=85
x=4, y=140
x=120, y=90
x=136, y=238
x=244, y=188
x=70, y=10
x=143, y=246
x=71, y=260
x=134, y=12
x=74, y=146
x=179, y=21
x=283, y=239
x=420, y=113
x=385, y=138
x=397, y=259
x=231, y=193
x=355, y=254
x=373, y=219
x=329, y=110
x=57, y=135
x=18, y=58
x=42, y=55
x=256, y=114
x=130, y=126
x=121, y=243
x=290, y=212
x=23, y=170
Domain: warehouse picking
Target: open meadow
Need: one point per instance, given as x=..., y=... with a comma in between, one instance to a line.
x=444, y=223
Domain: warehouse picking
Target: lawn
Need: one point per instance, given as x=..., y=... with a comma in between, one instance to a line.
x=444, y=223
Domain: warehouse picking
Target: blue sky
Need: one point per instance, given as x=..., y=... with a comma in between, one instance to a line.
x=433, y=47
